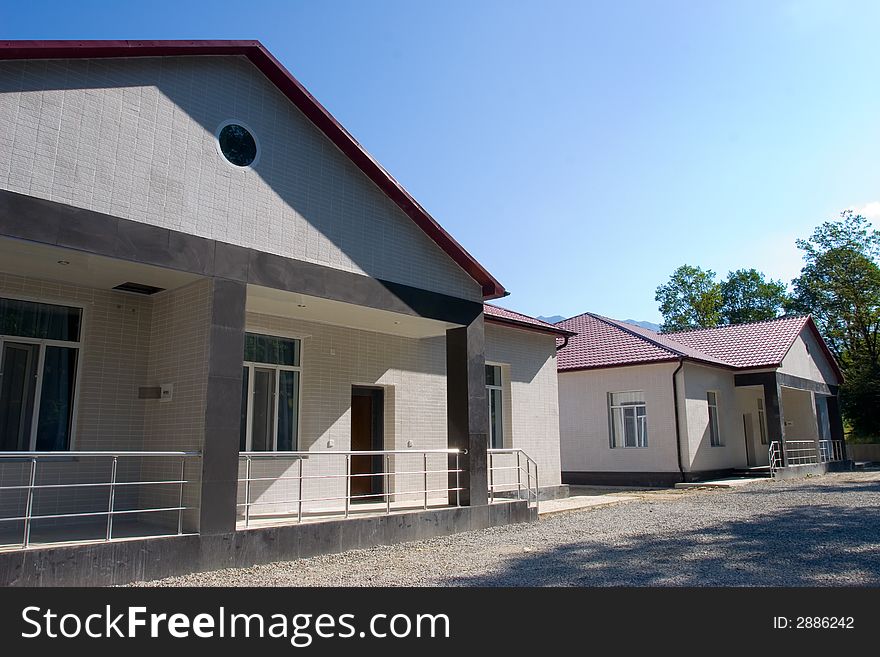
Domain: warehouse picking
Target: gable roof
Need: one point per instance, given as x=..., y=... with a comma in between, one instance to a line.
x=498, y=315
x=603, y=342
x=298, y=95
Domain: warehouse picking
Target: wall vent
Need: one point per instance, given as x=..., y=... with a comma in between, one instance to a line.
x=138, y=288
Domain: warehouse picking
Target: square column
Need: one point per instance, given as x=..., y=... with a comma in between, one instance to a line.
x=467, y=414
x=223, y=407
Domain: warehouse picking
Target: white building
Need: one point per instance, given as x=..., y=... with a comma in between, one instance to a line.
x=220, y=316
x=643, y=408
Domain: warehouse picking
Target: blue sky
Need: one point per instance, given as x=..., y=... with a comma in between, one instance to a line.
x=580, y=150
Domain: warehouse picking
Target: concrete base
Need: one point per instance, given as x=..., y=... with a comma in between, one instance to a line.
x=121, y=562
x=798, y=471
x=553, y=492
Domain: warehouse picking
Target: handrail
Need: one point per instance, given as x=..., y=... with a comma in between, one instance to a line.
x=774, y=452
x=529, y=487
x=329, y=502
x=34, y=459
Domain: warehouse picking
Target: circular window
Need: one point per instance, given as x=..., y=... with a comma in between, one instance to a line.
x=237, y=144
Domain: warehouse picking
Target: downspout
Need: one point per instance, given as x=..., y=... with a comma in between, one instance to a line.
x=677, y=422
x=564, y=344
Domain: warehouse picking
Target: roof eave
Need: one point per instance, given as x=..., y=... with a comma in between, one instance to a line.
x=550, y=330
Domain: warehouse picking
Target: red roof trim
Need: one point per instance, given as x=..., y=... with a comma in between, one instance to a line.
x=527, y=326
x=298, y=95
x=505, y=316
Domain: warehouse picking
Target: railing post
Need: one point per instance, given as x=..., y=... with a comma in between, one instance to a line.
x=425, y=462
x=387, y=484
x=519, y=477
x=180, y=495
x=528, y=482
x=112, y=498
x=457, y=479
x=247, y=490
x=537, y=484
x=299, y=506
x=347, y=483
x=491, y=479
x=29, y=508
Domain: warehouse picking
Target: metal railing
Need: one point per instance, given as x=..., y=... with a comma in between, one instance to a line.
x=830, y=451
x=511, y=471
x=775, y=455
x=801, y=452
x=318, y=484
x=804, y=452
x=84, y=481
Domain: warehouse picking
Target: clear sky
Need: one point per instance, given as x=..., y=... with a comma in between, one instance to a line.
x=580, y=150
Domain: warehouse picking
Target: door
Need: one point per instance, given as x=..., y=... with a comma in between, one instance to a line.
x=18, y=385
x=750, y=440
x=367, y=406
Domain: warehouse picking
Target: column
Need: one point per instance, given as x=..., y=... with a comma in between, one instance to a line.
x=223, y=407
x=835, y=421
x=467, y=415
x=775, y=417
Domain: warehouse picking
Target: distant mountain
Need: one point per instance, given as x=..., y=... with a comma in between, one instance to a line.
x=552, y=319
x=648, y=325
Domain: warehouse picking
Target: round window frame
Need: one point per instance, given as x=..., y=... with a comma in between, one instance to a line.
x=253, y=135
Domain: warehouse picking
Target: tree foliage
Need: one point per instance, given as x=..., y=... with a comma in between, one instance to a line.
x=747, y=296
x=839, y=286
x=691, y=299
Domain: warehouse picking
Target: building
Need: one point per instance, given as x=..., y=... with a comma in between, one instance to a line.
x=643, y=408
x=228, y=335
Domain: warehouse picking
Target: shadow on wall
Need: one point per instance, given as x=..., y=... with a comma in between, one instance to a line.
x=759, y=552
x=310, y=176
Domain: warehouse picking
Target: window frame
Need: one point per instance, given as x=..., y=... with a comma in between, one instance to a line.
x=41, y=361
x=277, y=369
x=612, y=436
x=253, y=135
x=500, y=388
x=715, y=439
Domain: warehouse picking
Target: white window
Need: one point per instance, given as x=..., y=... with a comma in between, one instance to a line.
x=495, y=395
x=762, y=421
x=629, y=419
x=270, y=394
x=39, y=362
x=714, y=433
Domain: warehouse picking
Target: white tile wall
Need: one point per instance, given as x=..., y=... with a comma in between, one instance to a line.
x=583, y=403
x=334, y=358
x=135, y=138
x=531, y=398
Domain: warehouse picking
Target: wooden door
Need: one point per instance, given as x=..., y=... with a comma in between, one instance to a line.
x=366, y=435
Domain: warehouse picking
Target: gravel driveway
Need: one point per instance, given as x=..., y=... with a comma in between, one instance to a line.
x=812, y=532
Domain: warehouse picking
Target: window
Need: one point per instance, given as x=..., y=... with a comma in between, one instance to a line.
x=39, y=355
x=714, y=433
x=270, y=394
x=494, y=395
x=762, y=422
x=237, y=144
x=629, y=419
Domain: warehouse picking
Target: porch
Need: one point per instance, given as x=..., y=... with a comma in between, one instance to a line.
x=792, y=426
x=188, y=403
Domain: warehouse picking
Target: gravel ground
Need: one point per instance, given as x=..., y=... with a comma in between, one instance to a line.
x=820, y=531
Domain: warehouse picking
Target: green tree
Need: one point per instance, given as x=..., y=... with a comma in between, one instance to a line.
x=839, y=286
x=691, y=299
x=746, y=296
